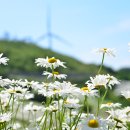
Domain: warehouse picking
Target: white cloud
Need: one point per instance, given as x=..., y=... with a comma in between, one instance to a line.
x=121, y=26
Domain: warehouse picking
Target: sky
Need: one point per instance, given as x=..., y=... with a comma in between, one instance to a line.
x=86, y=24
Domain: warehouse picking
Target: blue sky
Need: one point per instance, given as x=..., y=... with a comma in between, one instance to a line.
x=86, y=24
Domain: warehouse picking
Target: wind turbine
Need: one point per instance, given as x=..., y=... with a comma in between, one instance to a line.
x=50, y=35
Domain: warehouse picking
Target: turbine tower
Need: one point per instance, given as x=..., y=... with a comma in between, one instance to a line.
x=50, y=35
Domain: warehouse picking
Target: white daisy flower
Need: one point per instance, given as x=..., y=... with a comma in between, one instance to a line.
x=93, y=123
x=126, y=94
x=3, y=60
x=65, y=126
x=4, y=82
x=4, y=96
x=119, y=115
x=28, y=95
x=5, y=117
x=112, y=80
x=32, y=107
x=72, y=103
x=49, y=62
x=17, y=90
x=46, y=93
x=110, y=105
x=69, y=89
x=42, y=62
x=89, y=90
x=55, y=74
x=108, y=51
x=16, y=126
x=103, y=81
x=33, y=84
x=27, y=83
x=51, y=108
x=64, y=88
x=99, y=81
x=20, y=93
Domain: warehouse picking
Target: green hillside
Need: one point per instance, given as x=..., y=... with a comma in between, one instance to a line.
x=124, y=73
x=22, y=57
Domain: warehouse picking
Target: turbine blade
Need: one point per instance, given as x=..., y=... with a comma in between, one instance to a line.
x=61, y=39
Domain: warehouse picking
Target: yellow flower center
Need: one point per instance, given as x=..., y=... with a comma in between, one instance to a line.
x=11, y=91
x=35, y=110
x=56, y=90
x=52, y=60
x=105, y=49
x=109, y=103
x=109, y=78
x=54, y=110
x=66, y=102
x=93, y=123
x=99, y=86
x=128, y=112
x=85, y=89
x=55, y=73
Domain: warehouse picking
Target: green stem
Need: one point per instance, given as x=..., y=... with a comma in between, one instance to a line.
x=59, y=115
x=115, y=126
x=1, y=107
x=86, y=104
x=44, y=124
x=78, y=118
x=56, y=121
x=16, y=113
x=50, y=121
x=98, y=103
x=53, y=78
x=13, y=104
x=98, y=107
x=42, y=117
x=101, y=63
x=9, y=102
x=28, y=115
x=35, y=117
x=46, y=79
x=70, y=119
x=104, y=96
x=62, y=114
x=23, y=110
x=5, y=127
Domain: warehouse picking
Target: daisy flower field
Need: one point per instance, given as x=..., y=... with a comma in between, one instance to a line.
x=65, y=106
